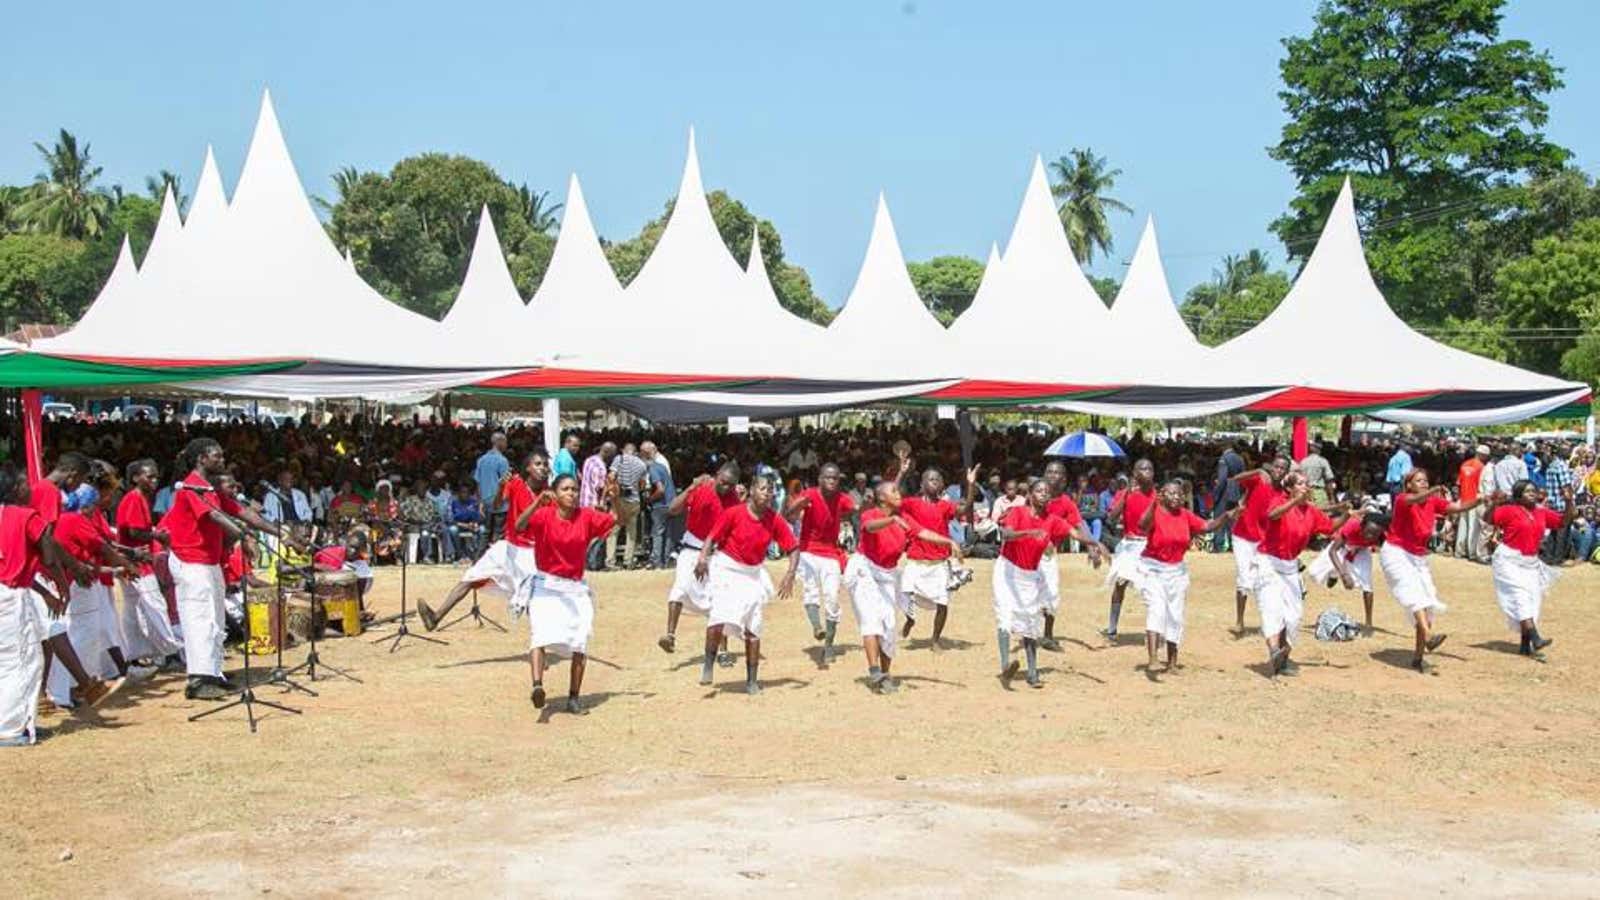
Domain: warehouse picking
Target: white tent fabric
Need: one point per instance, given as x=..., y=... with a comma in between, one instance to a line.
x=766, y=297
x=117, y=308
x=573, y=308
x=1041, y=299
x=482, y=322
x=1335, y=295
x=209, y=203
x=1145, y=320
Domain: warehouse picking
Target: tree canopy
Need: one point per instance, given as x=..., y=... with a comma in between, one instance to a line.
x=946, y=284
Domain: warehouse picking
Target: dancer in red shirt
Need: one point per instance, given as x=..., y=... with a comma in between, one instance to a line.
x=1347, y=559
x=701, y=505
x=146, y=625
x=1128, y=507
x=927, y=572
x=732, y=565
x=1521, y=579
x=822, y=509
x=511, y=560
x=558, y=600
x=1169, y=528
x=22, y=533
x=1404, y=556
x=1280, y=594
x=1022, y=590
x=1262, y=491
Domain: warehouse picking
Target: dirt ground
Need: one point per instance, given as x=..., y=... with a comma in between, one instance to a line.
x=435, y=776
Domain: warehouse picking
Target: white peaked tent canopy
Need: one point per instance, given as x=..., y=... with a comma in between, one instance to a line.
x=484, y=321
x=209, y=203
x=884, y=330
x=1042, y=300
x=766, y=297
x=117, y=308
x=569, y=312
x=1336, y=295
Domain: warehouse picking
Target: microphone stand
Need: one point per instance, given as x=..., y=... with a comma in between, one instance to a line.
x=247, y=695
x=475, y=614
x=405, y=632
x=312, y=660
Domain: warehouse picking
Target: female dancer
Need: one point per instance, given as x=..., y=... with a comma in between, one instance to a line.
x=1521, y=579
x=1021, y=588
x=1279, y=592
x=927, y=574
x=821, y=510
x=1348, y=559
x=1128, y=506
x=92, y=622
x=872, y=577
x=731, y=565
x=701, y=505
x=146, y=624
x=559, y=603
x=1404, y=557
x=508, y=561
x=1163, y=581
x=1262, y=491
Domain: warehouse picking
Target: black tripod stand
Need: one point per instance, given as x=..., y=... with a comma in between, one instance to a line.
x=404, y=631
x=247, y=695
x=475, y=614
x=280, y=675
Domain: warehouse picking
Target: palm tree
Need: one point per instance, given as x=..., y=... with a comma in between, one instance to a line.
x=10, y=198
x=156, y=185
x=1081, y=183
x=344, y=181
x=63, y=199
x=537, y=210
x=1236, y=270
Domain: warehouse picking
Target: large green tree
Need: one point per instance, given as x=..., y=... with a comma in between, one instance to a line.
x=411, y=231
x=1558, y=282
x=1432, y=114
x=1081, y=182
x=64, y=199
x=1241, y=292
x=735, y=223
x=946, y=284
x=45, y=278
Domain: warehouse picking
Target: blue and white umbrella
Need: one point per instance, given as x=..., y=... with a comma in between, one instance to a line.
x=1084, y=443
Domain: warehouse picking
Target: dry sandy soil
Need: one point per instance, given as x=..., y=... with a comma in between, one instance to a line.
x=436, y=777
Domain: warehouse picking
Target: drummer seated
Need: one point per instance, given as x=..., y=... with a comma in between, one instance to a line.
x=350, y=556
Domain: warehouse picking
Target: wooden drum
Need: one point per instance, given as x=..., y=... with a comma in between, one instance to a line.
x=339, y=596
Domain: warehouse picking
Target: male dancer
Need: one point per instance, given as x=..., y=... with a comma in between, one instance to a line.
x=926, y=578
x=702, y=504
x=511, y=559
x=821, y=510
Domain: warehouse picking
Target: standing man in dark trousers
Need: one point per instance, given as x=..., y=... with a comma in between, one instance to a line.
x=1225, y=491
x=659, y=493
x=492, y=469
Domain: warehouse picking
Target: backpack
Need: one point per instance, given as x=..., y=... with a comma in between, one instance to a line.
x=1334, y=625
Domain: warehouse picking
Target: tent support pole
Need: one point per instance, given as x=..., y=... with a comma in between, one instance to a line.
x=551, y=408
x=33, y=432
x=1299, y=444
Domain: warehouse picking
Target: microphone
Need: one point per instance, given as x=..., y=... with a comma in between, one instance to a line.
x=197, y=488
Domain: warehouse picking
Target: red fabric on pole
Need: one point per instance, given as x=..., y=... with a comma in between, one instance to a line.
x=1344, y=430
x=1300, y=445
x=33, y=432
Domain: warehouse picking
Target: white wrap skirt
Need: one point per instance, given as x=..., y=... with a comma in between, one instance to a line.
x=93, y=629
x=1359, y=565
x=200, y=592
x=1410, y=580
x=926, y=583
x=1520, y=583
x=1019, y=599
x=560, y=614
x=687, y=589
x=1126, y=563
x=874, y=596
x=1280, y=594
x=505, y=566
x=146, y=630
x=738, y=595
x=21, y=663
x=1245, y=553
x=820, y=579
x=1165, y=589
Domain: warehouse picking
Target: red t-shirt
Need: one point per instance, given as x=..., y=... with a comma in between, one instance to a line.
x=196, y=539
x=20, y=530
x=745, y=537
x=1412, y=525
x=234, y=566
x=1259, y=497
x=1025, y=552
x=884, y=546
x=1288, y=536
x=564, y=543
x=45, y=498
x=1171, y=532
x=1355, y=538
x=518, y=498
x=331, y=559
x=1065, y=508
x=704, y=506
x=1134, y=503
x=819, y=523
x=1523, y=529
x=134, y=512
x=935, y=516
x=80, y=537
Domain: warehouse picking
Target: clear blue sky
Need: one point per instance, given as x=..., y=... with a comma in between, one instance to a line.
x=803, y=111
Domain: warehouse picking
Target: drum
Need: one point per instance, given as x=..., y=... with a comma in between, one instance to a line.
x=301, y=617
x=267, y=632
x=339, y=596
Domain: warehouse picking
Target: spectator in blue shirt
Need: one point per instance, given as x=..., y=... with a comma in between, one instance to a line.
x=1399, y=465
x=566, y=461
x=466, y=523
x=163, y=501
x=659, y=492
x=492, y=468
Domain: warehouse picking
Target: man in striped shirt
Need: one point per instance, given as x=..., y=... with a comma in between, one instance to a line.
x=630, y=473
x=592, y=483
